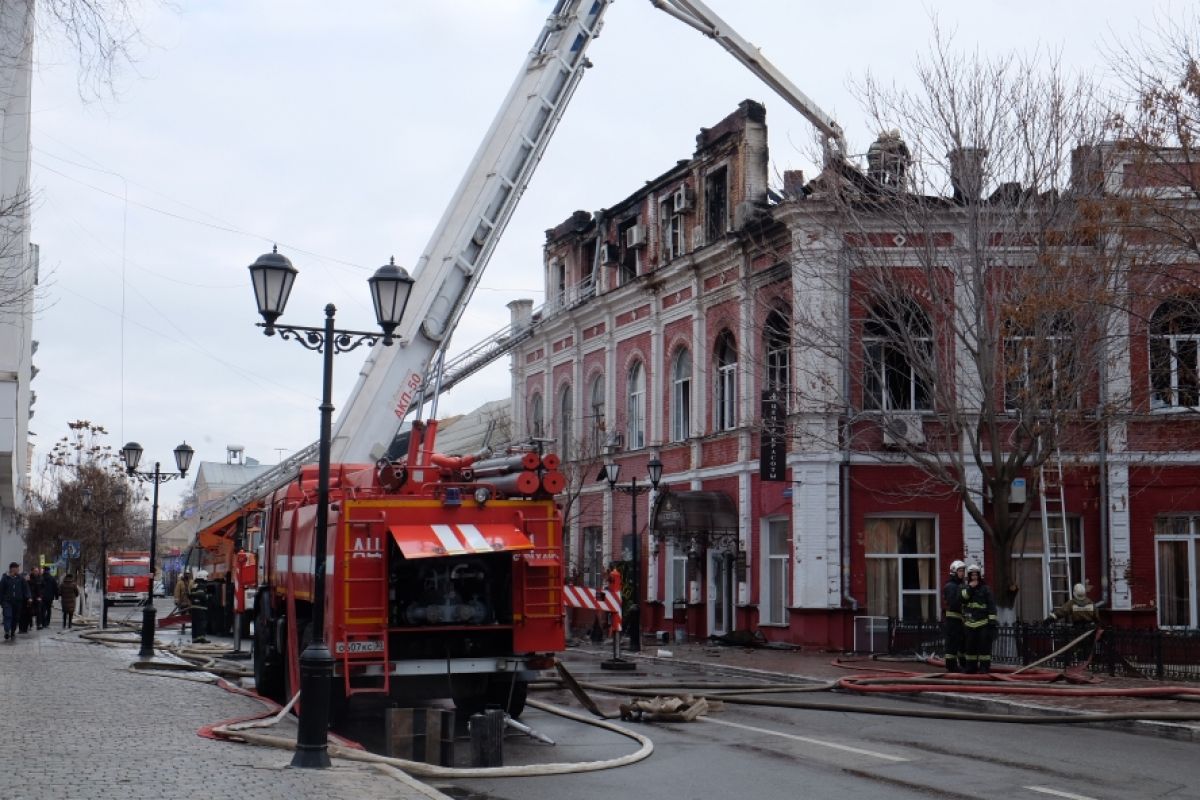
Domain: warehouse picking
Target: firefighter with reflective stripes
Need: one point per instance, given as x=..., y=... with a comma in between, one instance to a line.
x=979, y=622
x=952, y=608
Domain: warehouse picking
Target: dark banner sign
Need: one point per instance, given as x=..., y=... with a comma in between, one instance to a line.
x=773, y=444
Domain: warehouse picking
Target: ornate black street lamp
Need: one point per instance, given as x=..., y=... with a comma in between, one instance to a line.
x=118, y=505
x=273, y=275
x=132, y=453
x=612, y=471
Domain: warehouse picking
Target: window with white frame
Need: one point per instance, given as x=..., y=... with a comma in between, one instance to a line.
x=725, y=405
x=898, y=358
x=596, y=415
x=635, y=409
x=1040, y=368
x=671, y=231
x=565, y=419
x=1175, y=354
x=777, y=559
x=902, y=573
x=777, y=349
x=1176, y=540
x=537, y=416
x=681, y=395
x=591, y=556
x=1031, y=565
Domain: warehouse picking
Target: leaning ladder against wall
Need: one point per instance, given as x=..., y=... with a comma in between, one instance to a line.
x=1055, y=539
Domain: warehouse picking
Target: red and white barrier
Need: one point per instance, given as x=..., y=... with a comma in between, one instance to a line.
x=583, y=597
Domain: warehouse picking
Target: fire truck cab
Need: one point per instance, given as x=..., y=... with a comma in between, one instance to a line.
x=127, y=577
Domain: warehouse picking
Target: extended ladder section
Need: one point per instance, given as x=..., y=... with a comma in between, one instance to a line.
x=364, y=617
x=453, y=262
x=1055, y=534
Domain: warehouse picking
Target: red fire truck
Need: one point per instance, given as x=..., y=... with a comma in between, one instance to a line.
x=127, y=577
x=443, y=576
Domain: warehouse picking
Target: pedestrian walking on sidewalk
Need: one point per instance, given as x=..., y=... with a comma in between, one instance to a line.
x=979, y=621
x=49, y=595
x=68, y=594
x=952, y=608
x=35, y=593
x=14, y=599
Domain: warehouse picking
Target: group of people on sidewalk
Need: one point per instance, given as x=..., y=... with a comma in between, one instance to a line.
x=970, y=617
x=27, y=600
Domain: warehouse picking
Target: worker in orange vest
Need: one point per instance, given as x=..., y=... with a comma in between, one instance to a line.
x=614, y=587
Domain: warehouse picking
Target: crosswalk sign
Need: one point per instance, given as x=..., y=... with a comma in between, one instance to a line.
x=70, y=548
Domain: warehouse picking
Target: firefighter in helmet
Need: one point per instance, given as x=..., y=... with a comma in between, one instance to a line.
x=979, y=622
x=952, y=608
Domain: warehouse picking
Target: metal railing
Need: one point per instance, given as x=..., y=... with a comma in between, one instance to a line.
x=1125, y=652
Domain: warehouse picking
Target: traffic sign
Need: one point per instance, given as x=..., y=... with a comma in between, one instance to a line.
x=70, y=548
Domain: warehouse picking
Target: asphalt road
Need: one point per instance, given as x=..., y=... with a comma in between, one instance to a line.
x=752, y=752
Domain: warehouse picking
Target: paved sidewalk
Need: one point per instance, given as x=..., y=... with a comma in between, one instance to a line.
x=811, y=665
x=80, y=724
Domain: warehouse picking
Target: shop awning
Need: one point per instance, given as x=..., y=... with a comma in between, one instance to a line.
x=434, y=541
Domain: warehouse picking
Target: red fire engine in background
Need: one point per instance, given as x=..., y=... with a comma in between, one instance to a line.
x=443, y=576
x=127, y=577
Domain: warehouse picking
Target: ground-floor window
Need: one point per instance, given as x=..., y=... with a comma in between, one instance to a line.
x=776, y=550
x=902, y=568
x=1178, y=565
x=591, y=556
x=1031, y=566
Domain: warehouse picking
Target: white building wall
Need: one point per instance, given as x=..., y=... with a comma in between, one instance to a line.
x=18, y=265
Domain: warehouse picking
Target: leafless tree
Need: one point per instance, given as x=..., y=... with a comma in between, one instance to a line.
x=955, y=299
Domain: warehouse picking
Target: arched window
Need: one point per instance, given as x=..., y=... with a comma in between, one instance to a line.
x=725, y=407
x=777, y=350
x=681, y=395
x=1175, y=354
x=635, y=420
x=596, y=416
x=537, y=418
x=898, y=358
x=565, y=432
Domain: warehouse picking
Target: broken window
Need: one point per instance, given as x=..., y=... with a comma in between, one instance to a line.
x=716, y=204
x=632, y=238
x=671, y=228
x=898, y=359
x=587, y=287
x=777, y=349
x=725, y=407
x=1041, y=368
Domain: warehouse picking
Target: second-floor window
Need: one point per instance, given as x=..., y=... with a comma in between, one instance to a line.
x=564, y=424
x=725, y=405
x=636, y=408
x=1040, y=368
x=537, y=416
x=681, y=395
x=897, y=359
x=1175, y=354
x=671, y=232
x=596, y=416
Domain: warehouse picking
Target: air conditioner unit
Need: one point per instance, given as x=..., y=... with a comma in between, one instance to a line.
x=682, y=199
x=609, y=253
x=615, y=442
x=903, y=430
x=635, y=236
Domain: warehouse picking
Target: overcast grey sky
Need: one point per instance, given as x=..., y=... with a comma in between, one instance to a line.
x=340, y=132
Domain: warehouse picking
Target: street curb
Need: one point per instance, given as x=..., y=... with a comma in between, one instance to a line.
x=1165, y=730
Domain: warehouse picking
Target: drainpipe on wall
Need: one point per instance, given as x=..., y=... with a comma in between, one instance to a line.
x=1104, y=519
x=844, y=467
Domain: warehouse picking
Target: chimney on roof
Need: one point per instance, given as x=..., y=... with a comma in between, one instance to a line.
x=793, y=182
x=233, y=453
x=966, y=173
x=888, y=160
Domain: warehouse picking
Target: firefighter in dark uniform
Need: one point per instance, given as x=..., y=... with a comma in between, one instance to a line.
x=199, y=607
x=979, y=622
x=952, y=608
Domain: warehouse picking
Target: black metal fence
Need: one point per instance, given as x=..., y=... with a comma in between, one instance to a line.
x=1154, y=654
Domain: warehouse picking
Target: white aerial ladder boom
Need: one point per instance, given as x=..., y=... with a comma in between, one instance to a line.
x=703, y=19
x=449, y=270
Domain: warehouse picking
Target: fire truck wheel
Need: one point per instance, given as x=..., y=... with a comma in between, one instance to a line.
x=268, y=666
x=470, y=694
